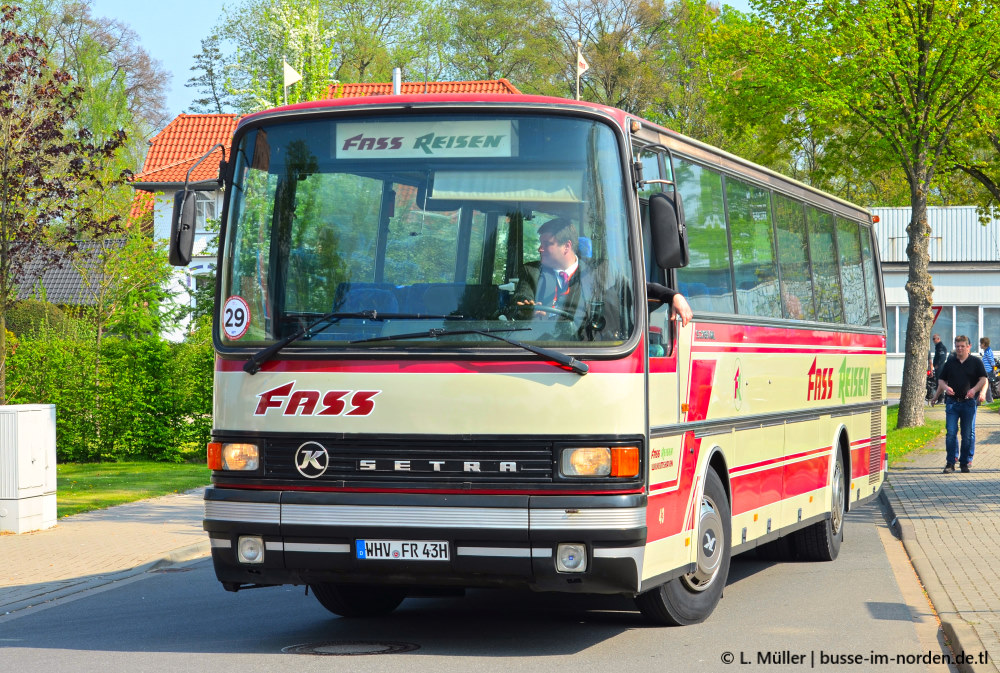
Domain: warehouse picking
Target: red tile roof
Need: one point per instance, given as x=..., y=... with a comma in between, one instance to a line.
x=176, y=148
x=492, y=86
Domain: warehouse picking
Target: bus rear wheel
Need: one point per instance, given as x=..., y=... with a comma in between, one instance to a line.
x=358, y=600
x=690, y=598
x=821, y=541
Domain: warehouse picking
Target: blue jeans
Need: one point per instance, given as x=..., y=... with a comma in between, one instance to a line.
x=960, y=412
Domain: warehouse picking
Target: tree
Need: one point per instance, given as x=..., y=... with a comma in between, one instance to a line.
x=123, y=87
x=264, y=34
x=374, y=37
x=513, y=39
x=46, y=166
x=211, y=83
x=620, y=40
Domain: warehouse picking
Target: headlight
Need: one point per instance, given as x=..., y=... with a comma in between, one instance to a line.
x=600, y=461
x=239, y=456
x=586, y=462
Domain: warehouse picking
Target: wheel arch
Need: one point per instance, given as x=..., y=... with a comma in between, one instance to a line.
x=717, y=462
x=844, y=447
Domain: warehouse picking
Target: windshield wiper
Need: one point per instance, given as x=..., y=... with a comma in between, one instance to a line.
x=580, y=368
x=253, y=365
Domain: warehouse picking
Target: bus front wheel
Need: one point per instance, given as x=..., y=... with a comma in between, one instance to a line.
x=358, y=600
x=690, y=598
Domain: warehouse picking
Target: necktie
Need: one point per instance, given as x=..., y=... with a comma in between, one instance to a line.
x=564, y=277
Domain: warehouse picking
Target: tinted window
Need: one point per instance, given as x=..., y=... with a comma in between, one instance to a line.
x=749, y=209
x=706, y=281
x=793, y=259
x=851, y=275
x=826, y=273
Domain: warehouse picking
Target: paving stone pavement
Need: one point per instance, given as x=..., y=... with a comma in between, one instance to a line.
x=950, y=527
x=92, y=549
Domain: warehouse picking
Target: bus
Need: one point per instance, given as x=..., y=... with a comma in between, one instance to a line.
x=405, y=403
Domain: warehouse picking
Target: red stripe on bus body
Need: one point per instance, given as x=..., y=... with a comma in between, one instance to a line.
x=780, y=459
x=674, y=504
x=805, y=476
x=771, y=350
x=760, y=334
x=631, y=364
x=700, y=389
x=755, y=489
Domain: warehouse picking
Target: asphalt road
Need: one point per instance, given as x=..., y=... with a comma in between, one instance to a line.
x=773, y=617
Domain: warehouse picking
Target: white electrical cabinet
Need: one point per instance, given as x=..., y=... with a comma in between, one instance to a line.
x=27, y=467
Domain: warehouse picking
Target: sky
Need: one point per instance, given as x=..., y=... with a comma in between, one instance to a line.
x=171, y=32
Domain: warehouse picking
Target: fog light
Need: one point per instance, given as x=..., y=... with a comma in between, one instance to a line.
x=250, y=549
x=571, y=558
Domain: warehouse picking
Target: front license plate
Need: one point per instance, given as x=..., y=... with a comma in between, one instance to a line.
x=402, y=550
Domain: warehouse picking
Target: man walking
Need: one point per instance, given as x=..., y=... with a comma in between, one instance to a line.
x=940, y=355
x=960, y=379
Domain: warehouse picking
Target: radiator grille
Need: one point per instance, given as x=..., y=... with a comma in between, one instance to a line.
x=875, y=447
x=412, y=461
x=877, y=387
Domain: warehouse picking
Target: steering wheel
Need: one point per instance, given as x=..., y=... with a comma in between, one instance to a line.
x=552, y=310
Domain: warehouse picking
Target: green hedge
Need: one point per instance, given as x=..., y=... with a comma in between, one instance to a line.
x=135, y=399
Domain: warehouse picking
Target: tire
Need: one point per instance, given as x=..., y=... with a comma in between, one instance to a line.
x=821, y=541
x=358, y=600
x=691, y=598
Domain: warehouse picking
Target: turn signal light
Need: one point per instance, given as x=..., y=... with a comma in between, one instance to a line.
x=625, y=461
x=215, y=455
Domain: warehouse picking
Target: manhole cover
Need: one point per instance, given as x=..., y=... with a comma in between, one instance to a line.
x=350, y=648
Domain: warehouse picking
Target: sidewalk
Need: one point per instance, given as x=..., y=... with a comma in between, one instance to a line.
x=950, y=526
x=96, y=548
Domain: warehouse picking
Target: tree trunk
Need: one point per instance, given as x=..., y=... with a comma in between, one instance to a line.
x=3, y=357
x=920, y=293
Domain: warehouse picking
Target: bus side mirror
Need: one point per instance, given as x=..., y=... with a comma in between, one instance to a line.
x=182, y=228
x=666, y=224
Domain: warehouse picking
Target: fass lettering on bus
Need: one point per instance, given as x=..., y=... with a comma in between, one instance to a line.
x=851, y=381
x=426, y=143
x=292, y=402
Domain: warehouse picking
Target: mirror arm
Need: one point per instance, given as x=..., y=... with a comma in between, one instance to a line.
x=214, y=147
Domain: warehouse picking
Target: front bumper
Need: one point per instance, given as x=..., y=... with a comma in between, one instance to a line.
x=494, y=540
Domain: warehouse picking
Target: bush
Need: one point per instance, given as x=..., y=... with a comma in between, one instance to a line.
x=135, y=399
x=28, y=316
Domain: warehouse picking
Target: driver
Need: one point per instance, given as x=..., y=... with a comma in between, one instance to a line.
x=555, y=280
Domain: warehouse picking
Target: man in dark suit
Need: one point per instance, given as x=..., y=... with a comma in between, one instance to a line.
x=555, y=281
x=561, y=278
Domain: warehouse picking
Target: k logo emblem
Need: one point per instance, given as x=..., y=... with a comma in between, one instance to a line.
x=311, y=460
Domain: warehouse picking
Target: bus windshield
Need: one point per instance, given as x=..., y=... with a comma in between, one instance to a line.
x=443, y=225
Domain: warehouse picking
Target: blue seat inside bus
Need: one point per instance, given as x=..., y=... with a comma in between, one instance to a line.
x=354, y=297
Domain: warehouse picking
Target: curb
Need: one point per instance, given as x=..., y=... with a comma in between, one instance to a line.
x=962, y=637
x=58, y=590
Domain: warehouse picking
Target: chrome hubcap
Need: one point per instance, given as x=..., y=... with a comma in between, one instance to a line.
x=837, y=516
x=710, y=543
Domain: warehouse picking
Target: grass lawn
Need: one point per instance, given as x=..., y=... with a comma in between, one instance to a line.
x=81, y=487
